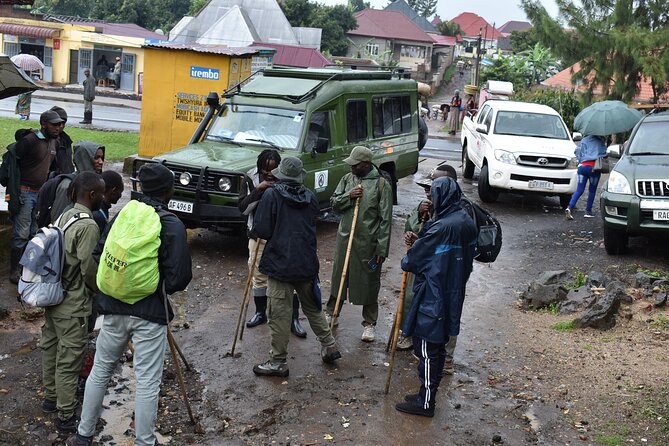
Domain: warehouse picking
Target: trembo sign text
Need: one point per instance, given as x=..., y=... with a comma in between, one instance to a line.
x=205, y=73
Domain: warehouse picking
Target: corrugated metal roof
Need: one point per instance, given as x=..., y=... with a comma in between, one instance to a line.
x=443, y=40
x=471, y=23
x=29, y=31
x=404, y=8
x=388, y=25
x=123, y=29
x=204, y=48
x=295, y=56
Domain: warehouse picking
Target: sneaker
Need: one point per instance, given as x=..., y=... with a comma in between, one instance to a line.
x=330, y=354
x=567, y=214
x=271, y=368
x=448, y=368
x=415, y=408
x=328, y=319
x=79, y=440
x=588, y=215
x=368, y=334
x=49, y=406
x=404, y=343
x=69, y=425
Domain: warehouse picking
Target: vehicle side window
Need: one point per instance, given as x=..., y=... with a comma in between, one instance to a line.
x=482, y=114
x=356, y=120
x=319, y=129
x=391, y=115
x=488, y=120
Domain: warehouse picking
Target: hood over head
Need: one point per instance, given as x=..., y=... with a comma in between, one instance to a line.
x=446, y=195
x=84, y=153
x=295, y=194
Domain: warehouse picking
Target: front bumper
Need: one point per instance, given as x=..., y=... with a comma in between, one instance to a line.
x=517, y=177
x=633, y=214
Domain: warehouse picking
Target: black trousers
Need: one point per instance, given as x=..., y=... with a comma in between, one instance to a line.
x=431, y=359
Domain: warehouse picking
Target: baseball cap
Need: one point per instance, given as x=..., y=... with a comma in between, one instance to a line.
x=51, y=117
x=359, y=154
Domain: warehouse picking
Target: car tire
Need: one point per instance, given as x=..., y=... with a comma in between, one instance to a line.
x=487, y=193
x=615, y=241
x=564, y=201
x=392, y=181
x=467, y=165
x=422, y=133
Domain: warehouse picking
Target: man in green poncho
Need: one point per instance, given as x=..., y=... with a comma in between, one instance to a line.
x=371, y=239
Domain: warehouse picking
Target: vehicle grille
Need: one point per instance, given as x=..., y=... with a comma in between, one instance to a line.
x=547, y=162
x=530, y=178
x=209, y=182
x=652, y=188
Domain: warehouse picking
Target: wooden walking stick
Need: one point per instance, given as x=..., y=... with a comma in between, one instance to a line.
x=344, y=269
x=396, y=327
x=170, y=341
x=170, y=337
x=245, y=299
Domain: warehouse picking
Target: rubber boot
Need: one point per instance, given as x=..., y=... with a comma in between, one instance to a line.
x=295, y=326
x=14, y=267
x=88, y=118
x=260, y=316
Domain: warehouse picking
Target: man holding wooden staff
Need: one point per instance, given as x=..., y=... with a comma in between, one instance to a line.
x=442, y=261
x=371, y=238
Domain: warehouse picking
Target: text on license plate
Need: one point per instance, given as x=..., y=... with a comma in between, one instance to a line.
x=539, y=184
x=661, y=215
x=180, y=206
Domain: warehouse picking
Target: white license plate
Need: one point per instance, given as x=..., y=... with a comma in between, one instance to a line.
x=660, y=215
x=538, y=184
x=180, y=206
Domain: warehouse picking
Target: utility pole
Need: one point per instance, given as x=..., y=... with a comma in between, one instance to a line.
x=478, y=57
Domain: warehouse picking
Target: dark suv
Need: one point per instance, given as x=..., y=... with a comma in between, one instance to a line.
x=635, y=199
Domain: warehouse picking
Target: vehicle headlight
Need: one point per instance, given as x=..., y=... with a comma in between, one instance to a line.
x=573, y=163
x=224, y=184
x=618, y=183
x=185, y=178
x=505, y=157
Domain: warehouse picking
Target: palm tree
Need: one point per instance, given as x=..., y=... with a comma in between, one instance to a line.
x=540, y=63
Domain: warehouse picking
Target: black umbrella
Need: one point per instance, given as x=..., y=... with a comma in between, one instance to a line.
x=13, y=80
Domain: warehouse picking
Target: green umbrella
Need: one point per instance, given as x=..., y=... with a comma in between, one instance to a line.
x=606, y=118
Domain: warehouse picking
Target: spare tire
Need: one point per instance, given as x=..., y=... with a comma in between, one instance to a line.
x=422, y=133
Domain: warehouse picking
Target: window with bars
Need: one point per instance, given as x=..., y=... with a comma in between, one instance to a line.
x=48, y=56
x=391, y=115
x=11, y=49
x=356, y=120
x=85, y=58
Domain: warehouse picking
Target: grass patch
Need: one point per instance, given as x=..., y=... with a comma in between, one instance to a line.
x=564, y=326
x=612, y=440
x=551, y=308
x=587, y=347
x=118, y=145
x=658, y=274
x=660, y=322
x=579, y=280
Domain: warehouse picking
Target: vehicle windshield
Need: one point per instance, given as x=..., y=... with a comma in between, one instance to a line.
x=251, y=124
x=537, y=125
x=651, y=139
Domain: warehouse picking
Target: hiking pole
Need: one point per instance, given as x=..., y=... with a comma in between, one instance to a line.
x=248, y=287
x=170, y=341
x=170, y=336
x=396, y=327
x=344, y=269
x=397, y=320
x=245, y=300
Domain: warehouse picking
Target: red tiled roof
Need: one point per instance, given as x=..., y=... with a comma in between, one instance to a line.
x=388, y=25
x=39, y=32
x=295, y=56
x=471, y=23
x=443, y=40
x=563, y=80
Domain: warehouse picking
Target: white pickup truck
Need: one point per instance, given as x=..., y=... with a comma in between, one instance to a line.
x=519, y=147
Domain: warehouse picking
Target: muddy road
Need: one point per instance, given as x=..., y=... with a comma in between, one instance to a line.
x=516, y=380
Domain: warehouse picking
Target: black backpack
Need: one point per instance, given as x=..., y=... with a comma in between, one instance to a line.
x=489, y=241
x=46, y=198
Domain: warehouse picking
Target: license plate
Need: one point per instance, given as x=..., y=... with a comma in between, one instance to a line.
x=180, y=206
x=661, y=215
x=538, y=184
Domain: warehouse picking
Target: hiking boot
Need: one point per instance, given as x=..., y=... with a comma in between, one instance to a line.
x=567, y=214
x=328, y=319
x=79, y=440
x=367, y=334
x=404, y=343
x=69, y=425
x=296, y=328
x=257, y=319
x=271, y=368
x=49, y=406
x=415, y=408
x=330, y=354
x=411, y=397
x=448, y=367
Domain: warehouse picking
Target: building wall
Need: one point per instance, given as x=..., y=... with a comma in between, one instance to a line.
x=173, y=101
x=358, y=47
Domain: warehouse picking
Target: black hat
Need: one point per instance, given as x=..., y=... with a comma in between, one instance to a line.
x=51, y=117
x=61, y=112
x=155, y=179
x=290, y=169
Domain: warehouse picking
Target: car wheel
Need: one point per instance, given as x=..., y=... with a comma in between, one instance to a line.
x=487, y=193
x=392, y=181
x=422, y=133
x=467, y=165
x=564, y=201
x=615, y=241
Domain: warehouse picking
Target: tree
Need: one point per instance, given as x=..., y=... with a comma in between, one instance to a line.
x=523, y=40
x=540, y=64
x=425, y=8
x=449, y=29
x=299, y=12
x=196, y=6
x=358, y=5
x=617, y=42
x=505, y=68
x=77, y=8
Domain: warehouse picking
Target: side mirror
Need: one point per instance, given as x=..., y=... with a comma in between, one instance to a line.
x=576, y=136
x=481, y=128
x=213, y=100
x=614, y=150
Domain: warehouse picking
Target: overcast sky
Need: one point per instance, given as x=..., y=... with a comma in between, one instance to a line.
x=494, y=11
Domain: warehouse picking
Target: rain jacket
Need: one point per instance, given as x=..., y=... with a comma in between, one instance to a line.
x=174, y=264
x=62, y=163
x=590, y=148
x=286, y=218
x=89, y=88
x=371, y=238
x=442, y=260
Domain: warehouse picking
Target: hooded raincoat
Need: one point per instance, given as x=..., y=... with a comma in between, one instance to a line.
x=442, y=260
x=371, y=238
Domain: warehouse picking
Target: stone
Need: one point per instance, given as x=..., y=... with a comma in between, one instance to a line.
x=597, y=279
x=641, y=280
x=602, y=314
x=578, y=299
x=539, y=295
x=660, y=300
x=551, y=277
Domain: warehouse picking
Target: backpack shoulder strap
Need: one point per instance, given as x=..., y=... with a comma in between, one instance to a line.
x=76, y=217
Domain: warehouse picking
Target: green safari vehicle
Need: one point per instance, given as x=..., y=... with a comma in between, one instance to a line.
x=316, y=115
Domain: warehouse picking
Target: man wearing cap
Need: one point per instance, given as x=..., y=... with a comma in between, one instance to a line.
x=117, y=73
x=35, y=153
x=144, y=323
x=371, y=240
x=286, y=218
x=64, y=159
x=89, y=97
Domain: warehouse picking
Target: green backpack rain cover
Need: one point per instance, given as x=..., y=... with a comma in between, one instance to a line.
x=128, y=269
